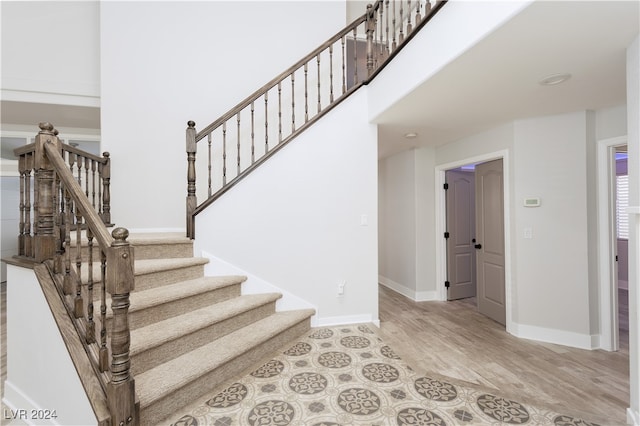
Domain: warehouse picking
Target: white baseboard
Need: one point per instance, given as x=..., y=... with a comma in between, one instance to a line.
x=416, y=296
x=633, y=417
x=346, y=320
x=558, y=337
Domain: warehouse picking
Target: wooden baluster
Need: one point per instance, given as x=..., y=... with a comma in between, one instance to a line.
x=91, y=326
x=380, y=44
x=418, y=16
x=238, y=144
x=22, y=170
x=393, y=27
x=224, y=153
x=371, y=27
x=100, y=185
x=87, y=166
x=67, y=287
x=318, y=67
x=355, y=56
x=279, y=111
x=427, y=8
x=306, y=96
x=28, y=240
x=344, y=70
x=293, y=102
x=253, y=133
x=331, y=74
x=266, y=122
x=93, y=184
x=77, y=307
x=59, y=229
x=192, y=201
x=45, y=244
x=209, y=164
x=120, y=283
x=106, y=189
x=409, y=26
x=386, y=44
x=103, y=355
x=401, y=36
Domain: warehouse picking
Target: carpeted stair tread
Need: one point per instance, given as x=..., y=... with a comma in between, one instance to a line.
x=169, y=377
x=148, y=266
x=165, y=294
x=160, y=332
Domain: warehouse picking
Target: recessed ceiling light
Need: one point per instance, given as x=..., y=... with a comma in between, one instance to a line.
x=553, y=79
x=411, y=135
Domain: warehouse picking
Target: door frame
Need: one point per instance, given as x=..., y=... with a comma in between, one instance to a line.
x=608, y=281
x=441, y=214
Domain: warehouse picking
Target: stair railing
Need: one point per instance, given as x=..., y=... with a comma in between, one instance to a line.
x=255, y=129
x=85, y=261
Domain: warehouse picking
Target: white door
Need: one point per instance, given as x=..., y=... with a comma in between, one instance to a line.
x=461, y=228
x=490, y=240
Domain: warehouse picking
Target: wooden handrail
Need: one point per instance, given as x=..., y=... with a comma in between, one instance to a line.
x=305, y=92
x=61, y=205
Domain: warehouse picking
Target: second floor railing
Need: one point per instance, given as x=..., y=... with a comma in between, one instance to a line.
x=64, y=208
x=256, y=128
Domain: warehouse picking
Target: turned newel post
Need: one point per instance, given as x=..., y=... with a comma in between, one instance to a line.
x=371, y=28
x=45, y=236
x=119, y=283
x=106, y=189
x=191, y=178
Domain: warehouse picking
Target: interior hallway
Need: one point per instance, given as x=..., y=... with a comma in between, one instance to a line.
x=452, y=339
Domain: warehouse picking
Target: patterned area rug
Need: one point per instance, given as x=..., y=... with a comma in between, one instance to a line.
x=349, y=376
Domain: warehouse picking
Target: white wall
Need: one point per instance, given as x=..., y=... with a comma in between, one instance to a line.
x=50, y=52
x=9, y=219
x=552, y=268
x=633, y=143
x=40, y=373
x=297, y=221
x=407, y=224
x=164, y=63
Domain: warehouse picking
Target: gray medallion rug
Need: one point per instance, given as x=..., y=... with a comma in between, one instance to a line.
x=349, y=376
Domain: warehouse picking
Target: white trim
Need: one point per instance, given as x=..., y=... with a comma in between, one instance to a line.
x=156, y=230
x=440, y=206
x=555, y=336
x=346, y=320
x=50, y=98
x=633, y=417
x=416, y=296
x=607, y=280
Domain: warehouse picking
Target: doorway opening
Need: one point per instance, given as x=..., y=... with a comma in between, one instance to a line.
x=613, y=242
x=474, y=255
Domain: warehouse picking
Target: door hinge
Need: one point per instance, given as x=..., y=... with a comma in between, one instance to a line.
x=446, y=186
x=446, y=284
x=446, y=234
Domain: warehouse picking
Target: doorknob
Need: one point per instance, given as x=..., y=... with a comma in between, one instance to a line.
x=478, y=246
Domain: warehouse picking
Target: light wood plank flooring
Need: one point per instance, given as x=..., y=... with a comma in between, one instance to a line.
x=452, y=339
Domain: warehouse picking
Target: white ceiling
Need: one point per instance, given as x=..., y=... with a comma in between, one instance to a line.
x=497, y=80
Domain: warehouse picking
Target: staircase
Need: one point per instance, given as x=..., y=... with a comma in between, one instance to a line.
x=191, y=333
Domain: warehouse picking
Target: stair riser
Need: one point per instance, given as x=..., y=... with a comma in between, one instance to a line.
x=147, y=251
x=144, y=317
x=157, y=279
x=208, y=383
x=172, y=349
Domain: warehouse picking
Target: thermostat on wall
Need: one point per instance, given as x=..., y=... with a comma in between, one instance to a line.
x=532, y=202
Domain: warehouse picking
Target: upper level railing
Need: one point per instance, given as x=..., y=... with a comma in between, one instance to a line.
x=64, y=206
x=256, y=128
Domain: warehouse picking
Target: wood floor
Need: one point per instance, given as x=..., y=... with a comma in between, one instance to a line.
x=452, y=339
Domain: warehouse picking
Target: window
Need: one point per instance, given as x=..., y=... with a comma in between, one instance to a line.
x=622, y=202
